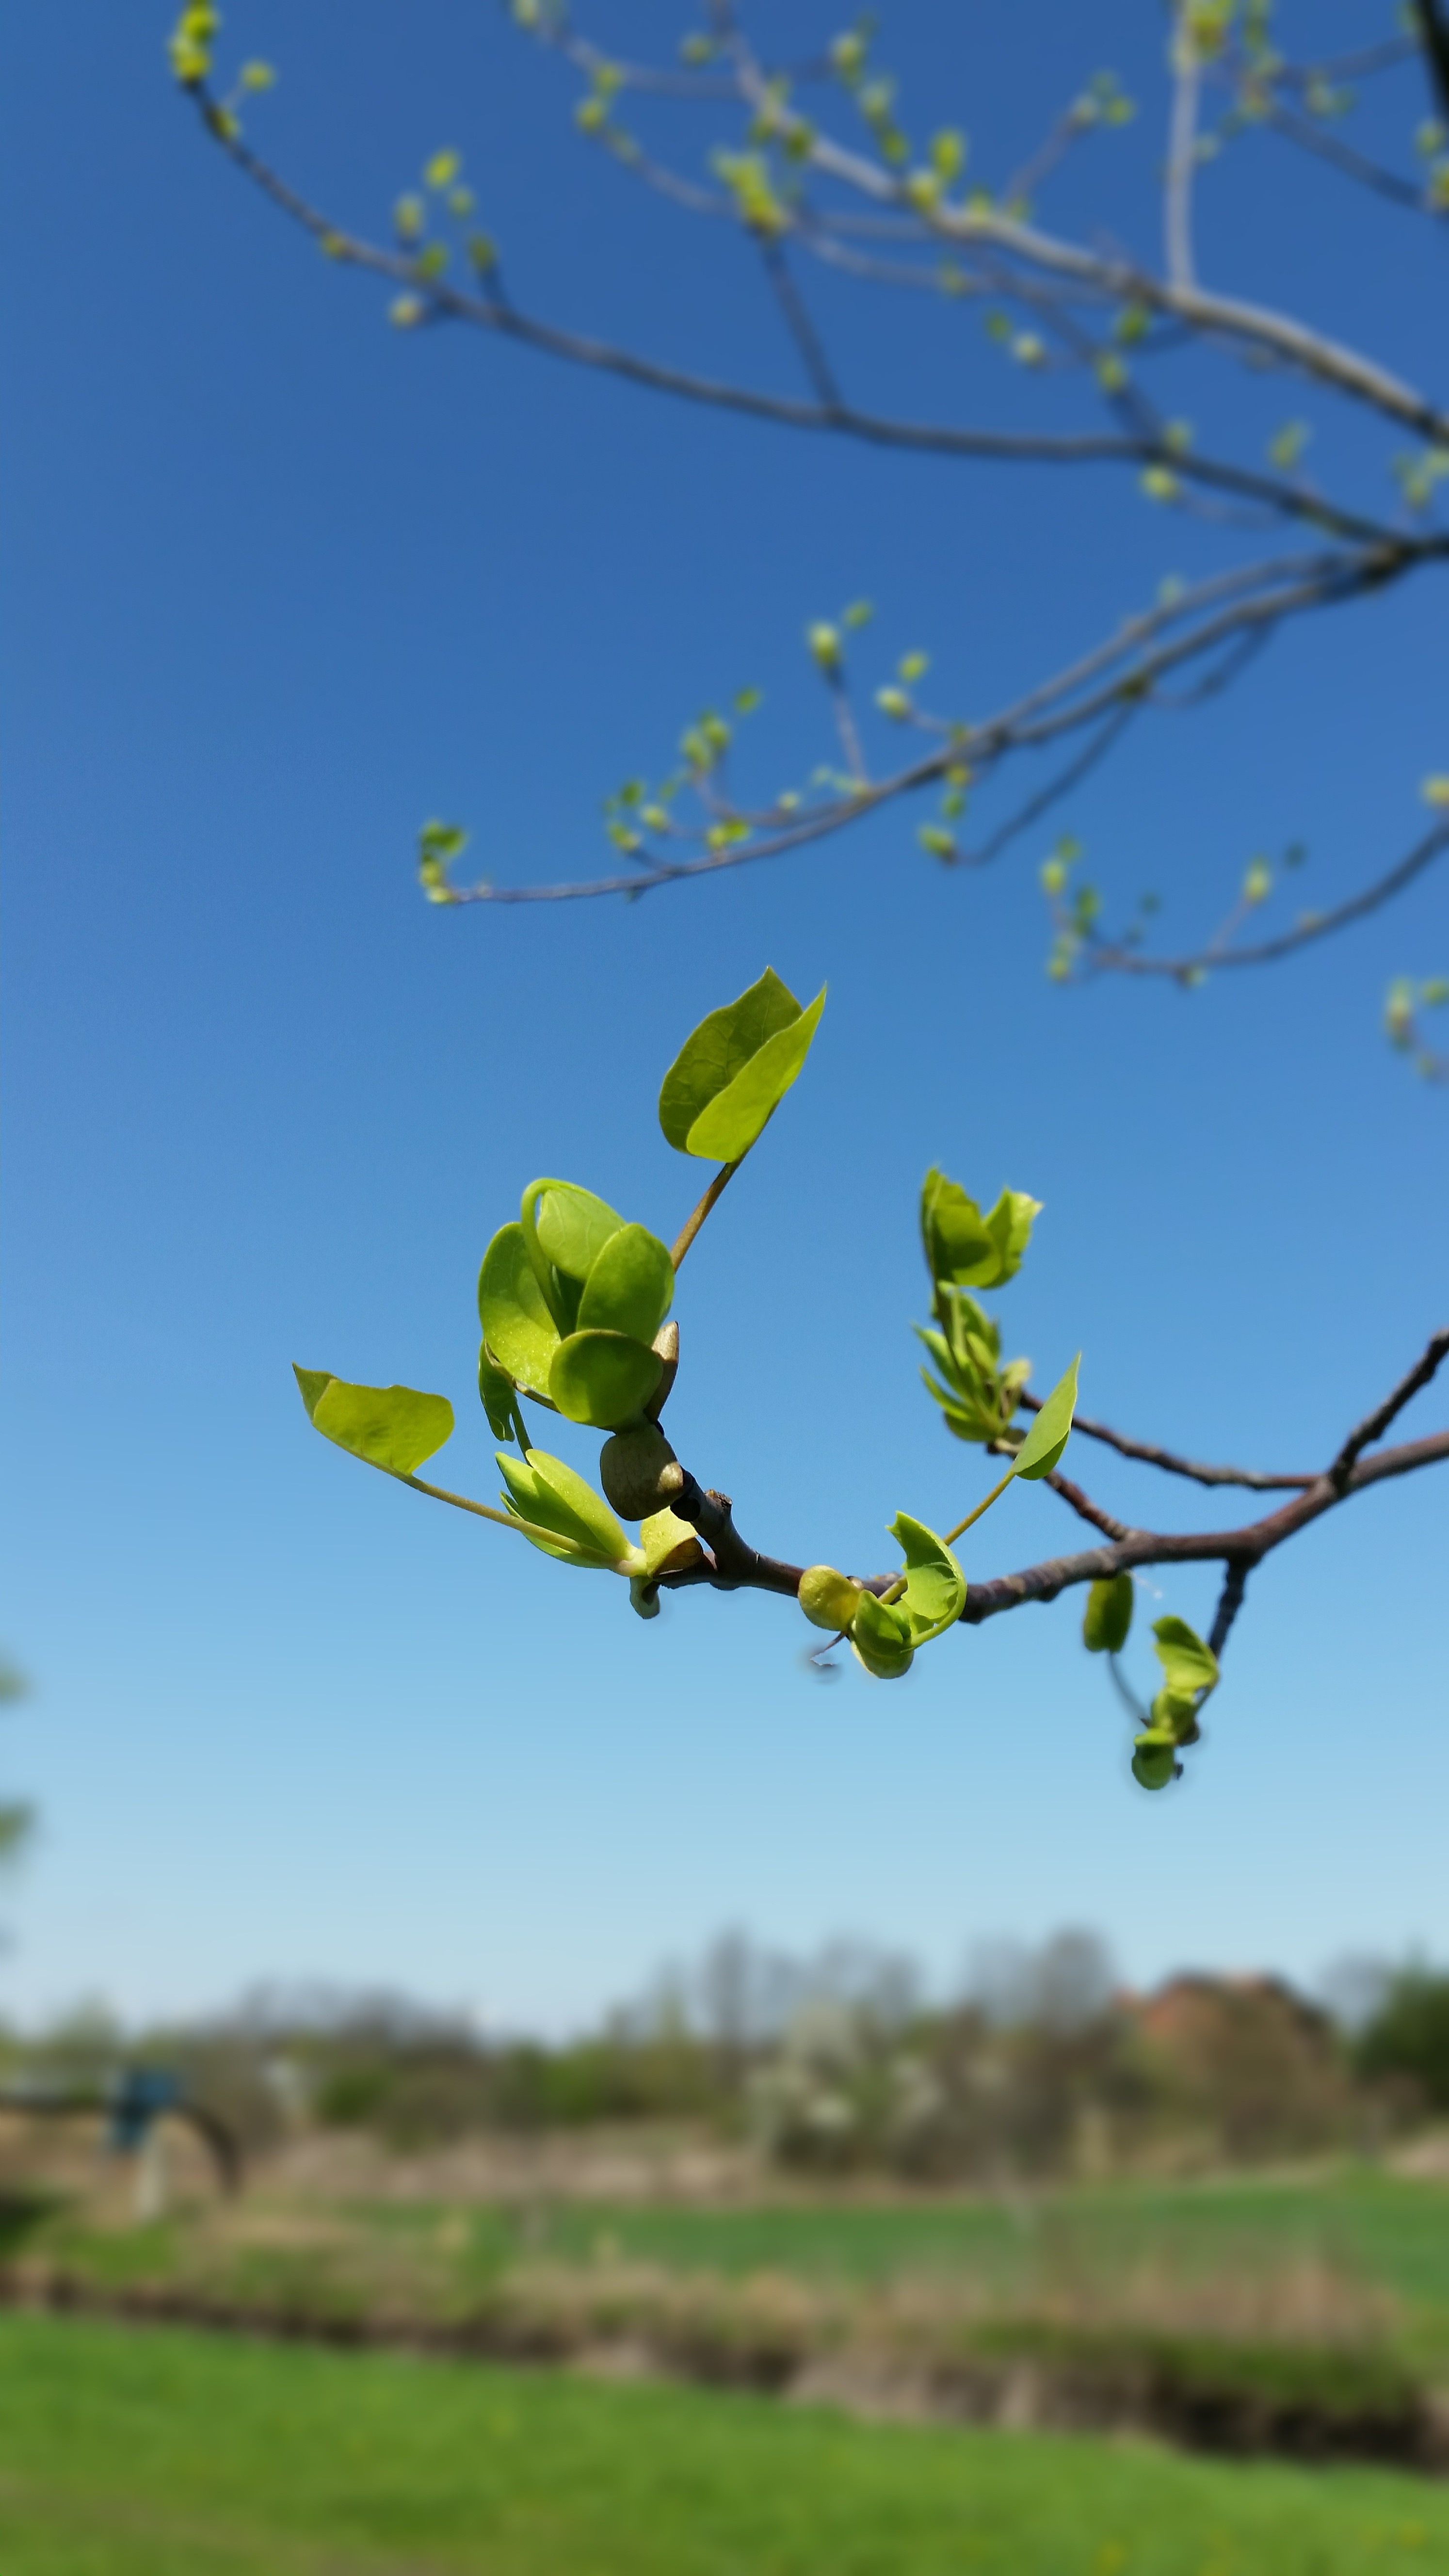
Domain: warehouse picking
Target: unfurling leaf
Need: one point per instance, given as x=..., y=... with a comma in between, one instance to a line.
x=547, y=1495
x=735, y=1069
x=518, y=1327
x=965, y=1249
x=1051, y=1430
x=668, y=1545
x=1107, y=1619
x=392, y=1427
x=1188, y=1666
x=880, y=1638
x=604, y=1378
x=935, y=1593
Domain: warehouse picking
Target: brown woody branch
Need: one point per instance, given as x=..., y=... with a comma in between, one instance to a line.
x=732, y=1565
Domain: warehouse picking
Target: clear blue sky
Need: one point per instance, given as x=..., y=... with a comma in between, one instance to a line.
x=280, y=581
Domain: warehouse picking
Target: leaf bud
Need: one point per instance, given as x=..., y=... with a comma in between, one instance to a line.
x=639, y=1472
x=666, y=1343
x=1154, y=1760
x=828, y=1599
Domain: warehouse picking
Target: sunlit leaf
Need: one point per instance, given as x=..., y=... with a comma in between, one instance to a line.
x=1052, y=1428
x=565, y=1229
x=1187, y=1664
x=393, y=1427
x=604, y=1378
x=734, y=1069
x=630, y=1287
x=935, y=1593
x=880, y=1638
x=668, y=1544
x=517, y=1326
x=547, y=1494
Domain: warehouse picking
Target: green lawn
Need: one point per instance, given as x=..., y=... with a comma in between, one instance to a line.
x=169, y=2454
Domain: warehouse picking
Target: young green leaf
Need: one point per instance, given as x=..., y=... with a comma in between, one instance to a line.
x=604, y=1378
x=1107, y=1618
x=735, y=1069
x=1188, y=1666
x=549, y=1496
x=935, y=1593
x=965, y=1249
x=1051, y=1430
x=518, y=1326
x=565, y=1229
x=880, y=1638
x=392, y=1427
x=668, y=1543
x=630, y=1287
x=496, y=1391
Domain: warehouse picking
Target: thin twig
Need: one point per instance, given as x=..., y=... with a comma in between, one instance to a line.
x=692, y=1224
x=1151, y=1455
x=1107, y=956
x=1375, y=1424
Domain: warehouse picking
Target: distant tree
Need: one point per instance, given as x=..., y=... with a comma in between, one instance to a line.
x=810, y=164
x=1408, y=2035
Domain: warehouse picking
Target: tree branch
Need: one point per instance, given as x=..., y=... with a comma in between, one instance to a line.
x=1101, y=956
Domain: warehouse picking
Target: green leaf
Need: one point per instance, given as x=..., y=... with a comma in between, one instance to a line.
x=935, y=1593
x=1009, y=1226
x=604, y=1378
x=966, y=1249
x=1107, y=1618
x=565, y=1229
x=548, y=1495
x=880, y=1638
x=1188, y=1666
x=496, y=1391
x=630, y=1287
x=518, y=1327
x=734, y=1069
x=666, y=1540
x=1051, y=1430
x=392, y=1427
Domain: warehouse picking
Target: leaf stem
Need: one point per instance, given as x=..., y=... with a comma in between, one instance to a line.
x=519, y=1424
x=485, y=1512
x=995, y=1494
x=691, y=1227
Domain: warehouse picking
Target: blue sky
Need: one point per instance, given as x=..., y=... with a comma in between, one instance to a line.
x=280, y=582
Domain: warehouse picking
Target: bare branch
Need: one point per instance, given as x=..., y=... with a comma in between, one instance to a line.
x=1107, y=956
x=1150, y=1455
x=1375, y=1424
x=1181, y=150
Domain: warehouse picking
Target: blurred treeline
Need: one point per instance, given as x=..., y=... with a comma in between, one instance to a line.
x=1041, y=2067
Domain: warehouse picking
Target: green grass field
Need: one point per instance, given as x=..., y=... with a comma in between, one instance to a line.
x=126, y=2453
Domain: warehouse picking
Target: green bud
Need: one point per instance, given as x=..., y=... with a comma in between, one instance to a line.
x=828, y=1599
x=1154, y=1762
x=1108, y=1615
